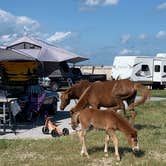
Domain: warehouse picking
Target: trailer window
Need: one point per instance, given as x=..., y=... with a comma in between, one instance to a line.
x=157, y=68
x=164, y=69
x=145, y=68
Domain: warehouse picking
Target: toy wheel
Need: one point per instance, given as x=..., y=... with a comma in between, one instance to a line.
x=54, y=133
x=45, y=130
x=65, y=131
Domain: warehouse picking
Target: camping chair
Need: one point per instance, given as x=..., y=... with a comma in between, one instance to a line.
x=36, y=98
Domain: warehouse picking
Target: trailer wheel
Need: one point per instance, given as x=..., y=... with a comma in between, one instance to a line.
x=54, y=133
x=45, y=130
x=65, y=131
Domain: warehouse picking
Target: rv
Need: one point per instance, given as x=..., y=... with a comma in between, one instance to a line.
x=144, y=69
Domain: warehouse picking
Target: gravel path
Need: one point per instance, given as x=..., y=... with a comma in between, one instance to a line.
x=62, y=119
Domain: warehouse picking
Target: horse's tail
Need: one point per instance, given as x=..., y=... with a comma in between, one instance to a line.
x=144, y=92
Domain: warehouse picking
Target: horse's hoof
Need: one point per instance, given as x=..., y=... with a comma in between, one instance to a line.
x=82, y=153
x=106, y=154
x=87, y=156
x=117, y=158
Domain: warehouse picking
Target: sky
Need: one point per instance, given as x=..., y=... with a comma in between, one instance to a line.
x=96, y=29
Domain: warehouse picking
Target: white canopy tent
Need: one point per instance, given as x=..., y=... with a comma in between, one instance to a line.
x=11, y=55
x=49, y=55
x=43, y=51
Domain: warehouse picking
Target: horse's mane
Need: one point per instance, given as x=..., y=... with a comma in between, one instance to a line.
x=82, y=102
x=123, y=123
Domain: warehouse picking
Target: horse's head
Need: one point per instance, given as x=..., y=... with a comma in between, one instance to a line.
x=65, y=100
x=74, y=118
x=133, y=141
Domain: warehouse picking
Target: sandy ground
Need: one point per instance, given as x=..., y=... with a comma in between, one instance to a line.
x=62, y=119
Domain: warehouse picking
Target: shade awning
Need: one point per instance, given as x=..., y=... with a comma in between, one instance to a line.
x=43, y=51
x=11, y=55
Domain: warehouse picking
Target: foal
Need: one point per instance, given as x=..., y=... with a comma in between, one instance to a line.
x=108, y=120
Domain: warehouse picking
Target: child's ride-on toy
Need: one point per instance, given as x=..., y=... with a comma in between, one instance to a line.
x=52, y=128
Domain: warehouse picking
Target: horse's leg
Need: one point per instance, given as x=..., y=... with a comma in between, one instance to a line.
x=130, y=101
x=107, y=138
x=115, y=142
x=82, y=134
x=132, y=117
x=119, y=105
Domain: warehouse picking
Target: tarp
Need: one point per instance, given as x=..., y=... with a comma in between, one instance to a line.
x=43, y=51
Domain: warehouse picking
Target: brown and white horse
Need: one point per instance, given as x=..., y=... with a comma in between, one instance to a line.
x=111, y=94
x=108, y=120
x=73, y=92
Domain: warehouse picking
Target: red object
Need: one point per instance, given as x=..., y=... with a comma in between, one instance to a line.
x=50, y=127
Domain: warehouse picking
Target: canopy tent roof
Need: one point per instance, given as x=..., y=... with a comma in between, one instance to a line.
x=11, y=55
x=43, y=51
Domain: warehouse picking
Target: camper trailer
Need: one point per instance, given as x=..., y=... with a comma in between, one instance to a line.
x=143, y=69
x=159, y=71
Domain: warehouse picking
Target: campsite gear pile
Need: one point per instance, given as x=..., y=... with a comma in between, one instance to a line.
x=22, y=64
x=50, y=127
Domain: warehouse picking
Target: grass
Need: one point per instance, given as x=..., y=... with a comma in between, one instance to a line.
x=158, y=93
x=65, y=151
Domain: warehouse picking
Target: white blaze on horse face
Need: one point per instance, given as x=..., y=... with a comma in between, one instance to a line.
x=135, y=144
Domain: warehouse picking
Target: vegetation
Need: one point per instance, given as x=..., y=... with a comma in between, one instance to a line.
x=158, y=93
x=65, y=151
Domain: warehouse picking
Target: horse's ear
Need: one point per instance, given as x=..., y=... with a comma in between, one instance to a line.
x=62, y=93
x=71, y=111
x=68, y=91
x=112, y=78
x=118, y=78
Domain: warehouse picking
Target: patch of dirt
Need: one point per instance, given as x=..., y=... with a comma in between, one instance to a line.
x=163, y=141
x=105, y=161
x=30, y=155
x=158, y=156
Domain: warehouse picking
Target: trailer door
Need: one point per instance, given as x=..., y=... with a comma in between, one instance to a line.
x=164, y=72
x=157, y=71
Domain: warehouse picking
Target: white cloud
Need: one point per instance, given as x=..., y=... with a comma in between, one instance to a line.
x=101, y=2
x=111, y=2
x=12, y=27
x=142, y=36
x=58, y=36
x=161, y=35
x=92, y=2
x=125, y=38
x=11, y=24
x=161, y=6
x=129, y=52
x=28, y=22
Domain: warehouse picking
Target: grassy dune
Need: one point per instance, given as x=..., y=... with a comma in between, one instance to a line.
x=65, y=151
